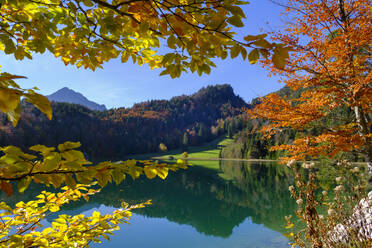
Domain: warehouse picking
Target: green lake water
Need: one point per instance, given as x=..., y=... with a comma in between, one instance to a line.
x=242, y=205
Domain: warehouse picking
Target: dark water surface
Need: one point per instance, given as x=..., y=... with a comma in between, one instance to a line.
x=242, y=205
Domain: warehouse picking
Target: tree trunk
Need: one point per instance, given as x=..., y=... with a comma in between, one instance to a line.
x=364, y=130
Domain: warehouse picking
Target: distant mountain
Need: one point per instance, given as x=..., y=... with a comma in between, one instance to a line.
x=68, y=95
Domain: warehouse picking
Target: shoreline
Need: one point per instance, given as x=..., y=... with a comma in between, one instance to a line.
x=218, y=159
x=238, y=159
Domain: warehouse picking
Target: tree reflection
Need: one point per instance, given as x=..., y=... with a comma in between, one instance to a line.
x=212, y=203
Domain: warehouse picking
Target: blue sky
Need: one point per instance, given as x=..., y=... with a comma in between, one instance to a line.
x=122, y=85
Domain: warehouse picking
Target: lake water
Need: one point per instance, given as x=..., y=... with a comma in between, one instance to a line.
x=242, y=205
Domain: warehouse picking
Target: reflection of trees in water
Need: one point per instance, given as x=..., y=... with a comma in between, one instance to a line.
x=198, y=197
x=265, y=188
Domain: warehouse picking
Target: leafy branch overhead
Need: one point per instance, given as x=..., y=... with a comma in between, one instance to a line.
x=66, y=165
x=64, y=231
x=89, y=32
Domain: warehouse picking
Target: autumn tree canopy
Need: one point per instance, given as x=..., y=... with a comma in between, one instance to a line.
x=176, y=35
x=330, y=65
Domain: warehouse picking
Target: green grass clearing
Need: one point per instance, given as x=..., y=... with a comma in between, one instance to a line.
x=210, y=150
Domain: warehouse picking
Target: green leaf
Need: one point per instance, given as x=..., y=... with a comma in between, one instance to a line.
x=263, y=43
x=68, y=146
x=280, y=56
x=14, y=115
x=168, y=58
x=253, y=56
x=117, y=176
x=171, y=42
x=23, y=184
x=73, y=155
x=51, y=162
x=88, y=3
x=236, y=21
x=70, y=181
x=249, y=38
x=144, y=27
x=42, y=149
x=235, y=51
x=235, y=10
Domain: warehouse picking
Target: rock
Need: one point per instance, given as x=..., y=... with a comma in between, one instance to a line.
x=358, y=225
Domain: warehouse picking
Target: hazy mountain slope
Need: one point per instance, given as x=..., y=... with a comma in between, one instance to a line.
x=68, y=95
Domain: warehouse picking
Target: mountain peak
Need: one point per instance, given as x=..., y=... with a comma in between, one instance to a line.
x=68, y=95
x=65, y=89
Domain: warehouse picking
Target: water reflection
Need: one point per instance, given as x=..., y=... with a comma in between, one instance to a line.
x=214, y=204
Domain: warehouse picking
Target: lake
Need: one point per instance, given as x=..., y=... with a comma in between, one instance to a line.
x=240, y=205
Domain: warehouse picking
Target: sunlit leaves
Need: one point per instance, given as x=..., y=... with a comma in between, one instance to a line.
x=64, y=165
x=10, y=98
x=326, y=59
x=69, y=166
x=64, y=231
x=87, y=33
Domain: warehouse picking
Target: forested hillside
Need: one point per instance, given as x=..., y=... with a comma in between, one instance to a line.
x=181, y=121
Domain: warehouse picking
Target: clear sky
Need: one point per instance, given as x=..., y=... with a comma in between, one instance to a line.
x=122, y=85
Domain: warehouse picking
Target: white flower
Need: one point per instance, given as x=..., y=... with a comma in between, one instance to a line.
x=291, y=188
x=331, y=211
x=299, y=201
x=324, y=192
x=305, y=166
x=338, y=179
x=338, y=188
x=291, y=162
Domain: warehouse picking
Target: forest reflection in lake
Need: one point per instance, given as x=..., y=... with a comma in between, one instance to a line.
x=242, y=205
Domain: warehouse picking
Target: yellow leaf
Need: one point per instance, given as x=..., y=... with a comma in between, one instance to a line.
x=289, y=226
x=54, y=208
x=40, y=101
x=9, y=99
x=150, y=172
x=162, y=172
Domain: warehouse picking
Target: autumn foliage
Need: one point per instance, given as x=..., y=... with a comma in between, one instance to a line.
x=329, y=64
